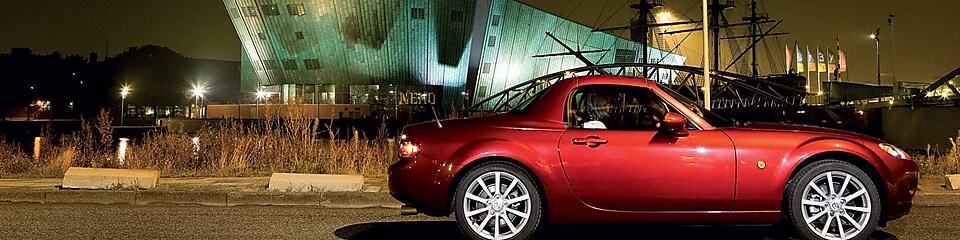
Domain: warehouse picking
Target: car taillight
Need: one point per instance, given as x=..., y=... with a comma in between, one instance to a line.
x=408, y=147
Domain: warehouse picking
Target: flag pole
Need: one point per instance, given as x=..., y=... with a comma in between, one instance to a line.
x=706, y=57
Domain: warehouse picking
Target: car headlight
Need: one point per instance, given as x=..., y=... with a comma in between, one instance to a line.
x=894, y=151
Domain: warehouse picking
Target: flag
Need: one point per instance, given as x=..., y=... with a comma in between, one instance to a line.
x=799, y=59
x=821, y=64
x=831, y=66
x=842, y=59
x=811, y=63
x=789, y=59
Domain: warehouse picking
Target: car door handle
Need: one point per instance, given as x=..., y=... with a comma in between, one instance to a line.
x=590, y=141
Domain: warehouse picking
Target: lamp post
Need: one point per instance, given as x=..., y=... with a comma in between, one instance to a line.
x=876, y=37
x=197, y=94
x=123, y=106
x=260, y=96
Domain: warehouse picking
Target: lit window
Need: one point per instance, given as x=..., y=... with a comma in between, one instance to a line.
x=311, y=63
x=300, y=35
x=418, y=13
x=250, y=11
x=270, y=10
x=296, y=9
x=290, y=64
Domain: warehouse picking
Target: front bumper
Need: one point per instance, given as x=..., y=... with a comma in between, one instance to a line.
x=900, y=194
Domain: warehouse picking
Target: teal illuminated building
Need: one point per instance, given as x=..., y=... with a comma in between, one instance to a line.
x=396, y=53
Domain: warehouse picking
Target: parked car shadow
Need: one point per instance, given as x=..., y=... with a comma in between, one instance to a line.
x=449, y=230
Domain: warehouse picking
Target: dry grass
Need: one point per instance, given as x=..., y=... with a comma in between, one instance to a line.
x=284, y=142
x=937, y=164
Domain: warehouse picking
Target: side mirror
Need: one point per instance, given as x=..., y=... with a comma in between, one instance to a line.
x=675, y=123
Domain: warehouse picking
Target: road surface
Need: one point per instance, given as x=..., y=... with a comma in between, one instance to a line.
x=70, y=221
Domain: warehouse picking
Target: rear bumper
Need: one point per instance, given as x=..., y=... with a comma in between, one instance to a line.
x=413, y=182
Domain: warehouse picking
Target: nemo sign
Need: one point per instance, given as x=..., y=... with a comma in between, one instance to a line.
x=414, y=98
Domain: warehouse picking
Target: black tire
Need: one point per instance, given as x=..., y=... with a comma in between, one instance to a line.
x=837, y=207
x=498, y=208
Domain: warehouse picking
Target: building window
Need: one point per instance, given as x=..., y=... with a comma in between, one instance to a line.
x=456, y=16
x=311, y=63
x=296, y=9
x=299, y=35
x=270, y=10
x=624, y=56
x=492, y=41
x=482, y=92
x=495, y=21
x=418, y=13
x=262, y=36
x=290, y=64
x=270, y=64
x=234, y=13
x=250, y=11
x=485, y=68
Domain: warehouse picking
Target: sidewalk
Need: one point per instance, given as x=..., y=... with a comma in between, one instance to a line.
x=253, y=191
x=198, y=191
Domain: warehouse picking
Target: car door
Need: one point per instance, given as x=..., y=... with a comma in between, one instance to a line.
x=627, y=164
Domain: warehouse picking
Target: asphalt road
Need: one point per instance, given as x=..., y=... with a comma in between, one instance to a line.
x=63, y=221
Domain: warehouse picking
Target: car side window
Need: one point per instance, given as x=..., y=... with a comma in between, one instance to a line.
x=615, y=108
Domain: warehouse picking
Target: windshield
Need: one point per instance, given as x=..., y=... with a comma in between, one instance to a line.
x=710, y=117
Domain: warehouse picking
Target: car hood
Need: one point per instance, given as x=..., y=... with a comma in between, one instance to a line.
x=800, y=128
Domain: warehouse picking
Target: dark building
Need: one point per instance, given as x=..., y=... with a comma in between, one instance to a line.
x=396, y=53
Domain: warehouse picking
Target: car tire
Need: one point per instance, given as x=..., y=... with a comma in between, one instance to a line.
x=832, y=199
x=510, y=211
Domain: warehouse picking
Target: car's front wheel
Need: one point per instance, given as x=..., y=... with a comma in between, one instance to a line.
x=832, y=199
x=497, y=200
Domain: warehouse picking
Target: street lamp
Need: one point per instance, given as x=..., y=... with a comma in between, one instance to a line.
x=197, y=94
x=876, y=37
x=260, y=96
x=123, y=106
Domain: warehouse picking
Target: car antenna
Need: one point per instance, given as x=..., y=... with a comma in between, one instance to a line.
x=435, y=116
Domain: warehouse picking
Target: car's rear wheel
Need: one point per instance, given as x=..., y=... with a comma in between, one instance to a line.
x=832, y=199
x=497, y=200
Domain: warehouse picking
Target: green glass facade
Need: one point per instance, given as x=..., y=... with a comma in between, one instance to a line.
x=344, y=51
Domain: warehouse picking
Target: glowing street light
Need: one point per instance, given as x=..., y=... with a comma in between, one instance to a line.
x=261, y=95
x=198, y=91
x=124, y=91
x=876, y=37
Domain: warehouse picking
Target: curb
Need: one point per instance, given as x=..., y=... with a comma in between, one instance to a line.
x=204, y=198
x=940, y=199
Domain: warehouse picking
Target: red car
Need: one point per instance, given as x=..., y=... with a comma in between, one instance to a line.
x=611, y=149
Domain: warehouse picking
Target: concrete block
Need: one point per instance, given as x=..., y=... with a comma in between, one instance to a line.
x=109, y=178
x=98, y=197
x=273, y=198
x=952, y=181
x=296, y=182
x=23, y=196
x=183, y=197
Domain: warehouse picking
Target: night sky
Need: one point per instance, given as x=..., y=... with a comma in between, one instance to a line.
x=926, y=36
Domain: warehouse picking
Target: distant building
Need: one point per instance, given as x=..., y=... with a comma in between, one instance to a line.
x=397, y=55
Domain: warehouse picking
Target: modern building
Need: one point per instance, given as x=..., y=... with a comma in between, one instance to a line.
x=397, y=55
